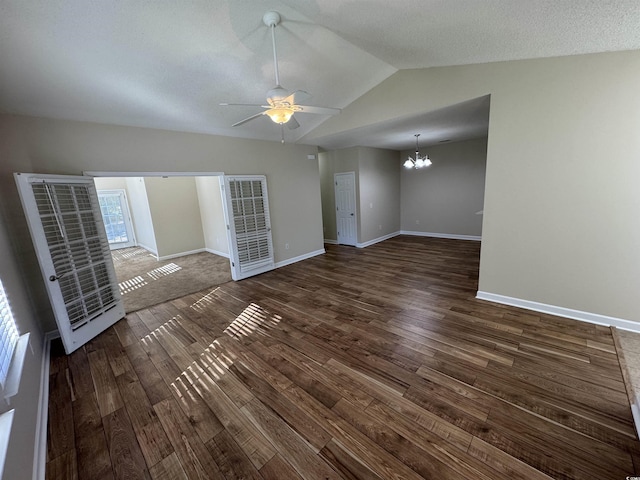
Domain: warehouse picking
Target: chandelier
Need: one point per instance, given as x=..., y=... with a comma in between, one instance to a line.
x=418, y=162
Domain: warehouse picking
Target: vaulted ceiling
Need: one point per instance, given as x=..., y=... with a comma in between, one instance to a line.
x=169, y=64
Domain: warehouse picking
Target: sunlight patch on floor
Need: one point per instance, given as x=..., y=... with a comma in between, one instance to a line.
x=250, y=321
x=165, y=270
x=201, y=304
x=132, y=284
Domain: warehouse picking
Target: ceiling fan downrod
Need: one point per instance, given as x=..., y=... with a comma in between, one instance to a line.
x=271, y=19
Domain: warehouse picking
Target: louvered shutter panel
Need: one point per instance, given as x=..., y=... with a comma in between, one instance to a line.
x=8, y=336
x=66, y=225
x=250, y=225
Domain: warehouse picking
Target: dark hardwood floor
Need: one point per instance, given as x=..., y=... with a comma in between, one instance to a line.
x=373, y=363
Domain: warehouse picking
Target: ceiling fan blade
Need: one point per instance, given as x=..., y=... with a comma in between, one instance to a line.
x=293, y=123
x=247, y=119
x=301, y=96
x=320, y=110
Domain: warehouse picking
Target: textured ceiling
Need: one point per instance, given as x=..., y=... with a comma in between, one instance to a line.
x=168, y=64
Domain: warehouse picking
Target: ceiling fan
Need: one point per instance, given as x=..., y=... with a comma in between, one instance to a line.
x=282, y=104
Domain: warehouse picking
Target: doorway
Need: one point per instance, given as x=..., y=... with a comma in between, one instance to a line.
x=345, y=190
x=115, y=216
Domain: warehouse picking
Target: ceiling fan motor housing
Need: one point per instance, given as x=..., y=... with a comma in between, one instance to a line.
x=271, y=19
x=277, y=94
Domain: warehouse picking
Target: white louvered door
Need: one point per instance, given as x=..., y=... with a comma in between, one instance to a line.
x=66, y=227
x=249, y=225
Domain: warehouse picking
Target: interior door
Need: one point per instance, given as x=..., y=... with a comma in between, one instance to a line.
x=346, y=208
x=115, y=216
x=249, y=225
x=66, y=227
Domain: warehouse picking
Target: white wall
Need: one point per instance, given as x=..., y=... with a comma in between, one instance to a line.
x=445, y=197
x=377, y=175
x=18, y=267
x=337, y=161
x=214, y=226
x=175, y=213
x=379, y=193
x=66, y=147
x=110, y=183
x=141, y=214
x=561, y=206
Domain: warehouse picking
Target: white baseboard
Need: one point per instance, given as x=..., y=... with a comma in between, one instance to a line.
x=299, y=258
x=330, y=242
x=377, y=240
x=180, y=254
x=152, y=251
x=561, y=311
x=40, y=450
x=216, y=252
x=450, y=236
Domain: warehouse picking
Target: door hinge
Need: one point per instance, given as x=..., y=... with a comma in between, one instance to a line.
x=228, y=228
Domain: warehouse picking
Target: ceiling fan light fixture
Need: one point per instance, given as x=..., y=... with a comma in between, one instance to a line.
x=280, y=115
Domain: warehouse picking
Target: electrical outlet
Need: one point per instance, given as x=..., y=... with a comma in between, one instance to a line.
x=286, y=246
x=379, y=227
x=417, y=222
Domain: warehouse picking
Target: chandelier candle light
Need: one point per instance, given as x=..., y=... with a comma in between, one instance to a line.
x=418, y=162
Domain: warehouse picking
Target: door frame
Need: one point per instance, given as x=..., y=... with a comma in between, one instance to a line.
x=220, y=175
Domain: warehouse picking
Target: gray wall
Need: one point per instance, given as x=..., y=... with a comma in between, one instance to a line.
x=561, y=206
x=175, y=213
x=214, y=226
x=377, y=175
x=63, y=147
x=445, y=197
x=330, y=163
x=379, y=193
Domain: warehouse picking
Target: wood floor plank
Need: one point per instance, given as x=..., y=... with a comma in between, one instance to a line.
x=63, y=467
x=126, y=457
x=374, y=363
x=234, y=464
x=295, y=418
x=305, y=461
x=277, y=469
x=193, y=455
x=60, y=428
x=180, y=384
x=343, y=461
x=107, y=393
x=93, y=457
x=151, y=437
x=169, y=468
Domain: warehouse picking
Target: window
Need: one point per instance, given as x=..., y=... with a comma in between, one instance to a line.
x=8, y=336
